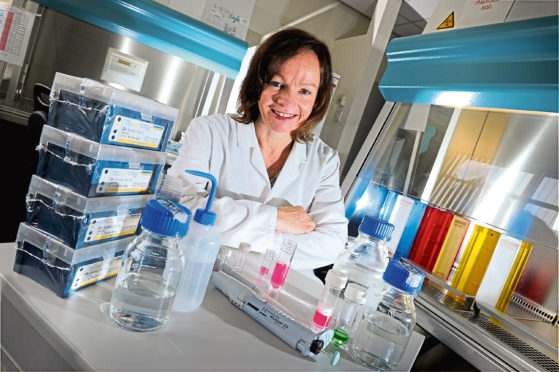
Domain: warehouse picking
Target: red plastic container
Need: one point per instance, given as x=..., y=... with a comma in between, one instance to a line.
x=430, y=237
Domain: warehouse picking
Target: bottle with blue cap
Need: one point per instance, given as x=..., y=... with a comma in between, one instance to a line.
x=151, y=268
x=383, y=334
x=366, y=257
x=200, y=248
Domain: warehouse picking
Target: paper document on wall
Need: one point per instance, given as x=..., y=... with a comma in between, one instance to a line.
x=15, y=30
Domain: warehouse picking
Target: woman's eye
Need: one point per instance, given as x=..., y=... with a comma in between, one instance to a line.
x=276, y=84
x=306, y=92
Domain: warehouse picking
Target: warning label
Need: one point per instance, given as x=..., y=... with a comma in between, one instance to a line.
x=447, y=23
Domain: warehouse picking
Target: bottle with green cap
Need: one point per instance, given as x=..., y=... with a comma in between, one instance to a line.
x=151, y=268
x=200, y=249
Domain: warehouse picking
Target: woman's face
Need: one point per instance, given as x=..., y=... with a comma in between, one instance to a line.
x=287, y=99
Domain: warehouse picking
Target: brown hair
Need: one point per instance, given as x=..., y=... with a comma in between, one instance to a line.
x=267, y=61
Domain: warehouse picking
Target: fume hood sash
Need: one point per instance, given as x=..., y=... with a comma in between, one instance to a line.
x=510, y=65
x=161, y=28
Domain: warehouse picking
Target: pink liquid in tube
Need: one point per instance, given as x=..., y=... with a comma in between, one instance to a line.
x=279, y=274
x=320, y=320
x=264, y=270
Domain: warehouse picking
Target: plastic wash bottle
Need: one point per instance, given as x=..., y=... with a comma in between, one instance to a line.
x=199, y=248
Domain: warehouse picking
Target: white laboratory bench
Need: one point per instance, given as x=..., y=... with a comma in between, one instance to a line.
x=40, y=331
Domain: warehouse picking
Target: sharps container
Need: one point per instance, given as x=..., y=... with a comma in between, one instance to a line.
x=383, y=334
x=108, y=115
x=366, y=257
x=93, y=170
x=79, y=221
x=199, y=247
x=60, y=268
x=151, y=268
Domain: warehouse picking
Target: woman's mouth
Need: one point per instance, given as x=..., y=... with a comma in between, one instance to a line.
x=283, y=115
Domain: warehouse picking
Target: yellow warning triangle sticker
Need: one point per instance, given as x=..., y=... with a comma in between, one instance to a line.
x=447, y=23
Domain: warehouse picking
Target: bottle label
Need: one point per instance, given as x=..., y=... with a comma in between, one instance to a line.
x=111, y=227
x=88, y=274
x=136, y=132
x=116, y=180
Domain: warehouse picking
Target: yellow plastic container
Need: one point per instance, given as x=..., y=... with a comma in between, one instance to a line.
x=450, y=247
x=514, y=276
x=475, y=259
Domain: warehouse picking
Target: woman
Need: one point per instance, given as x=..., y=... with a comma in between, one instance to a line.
x=273, y=176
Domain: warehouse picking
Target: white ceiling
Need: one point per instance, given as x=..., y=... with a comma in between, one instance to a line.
x=411, y=20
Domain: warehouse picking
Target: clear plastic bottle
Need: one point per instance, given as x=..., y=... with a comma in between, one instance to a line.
x=267, y=261
x=366, y=257
x=383, y=334
x=350, y=313
x=283, y=263
x=334, y=284
x=151, y=268
x=200, y=248
x=244, y=249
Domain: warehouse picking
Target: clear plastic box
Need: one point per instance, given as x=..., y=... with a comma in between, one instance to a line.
x=92, y=169
x=60, y=268
x=108, y=115
x=79, y=221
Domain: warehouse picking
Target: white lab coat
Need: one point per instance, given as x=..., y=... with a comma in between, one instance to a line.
x=245, y=203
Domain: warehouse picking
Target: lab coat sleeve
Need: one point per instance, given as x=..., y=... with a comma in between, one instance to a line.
x=237, y=220
x=323, y=245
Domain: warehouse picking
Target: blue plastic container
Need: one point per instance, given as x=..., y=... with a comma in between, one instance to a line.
x=92, y=170
x=79, y=221
x=62, y=269
x=109, y=116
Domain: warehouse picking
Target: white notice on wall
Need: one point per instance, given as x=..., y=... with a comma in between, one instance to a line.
x=485, y=12
x=229, y=16
x=123, y=69
x=15, y=30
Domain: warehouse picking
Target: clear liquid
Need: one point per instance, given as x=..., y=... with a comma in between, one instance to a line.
x=193, y=284
x=141, y=302
x=380, y=341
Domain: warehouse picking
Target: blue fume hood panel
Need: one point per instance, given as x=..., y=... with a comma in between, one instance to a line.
x=508, y=65
x=160, y=28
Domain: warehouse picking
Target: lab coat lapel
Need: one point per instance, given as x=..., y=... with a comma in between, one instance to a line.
x=291, y=170
x=246, y=138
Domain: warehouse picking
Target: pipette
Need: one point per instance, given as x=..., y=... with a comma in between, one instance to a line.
x=276, y=321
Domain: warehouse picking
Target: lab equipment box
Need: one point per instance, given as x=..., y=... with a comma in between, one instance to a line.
x=79, y=221
x=107, y=115
x=92, y=169
x=51, y=263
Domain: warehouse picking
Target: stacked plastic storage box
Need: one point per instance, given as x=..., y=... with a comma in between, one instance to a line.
x=100, y=156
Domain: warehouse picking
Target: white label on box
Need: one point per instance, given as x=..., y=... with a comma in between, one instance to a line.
x=136, y=132
x=110, y=227
x=498, y=270
x=399, y=218
x=96, y=271
x=123, y=180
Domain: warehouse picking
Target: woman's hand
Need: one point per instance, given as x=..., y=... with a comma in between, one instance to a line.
x=294, y=220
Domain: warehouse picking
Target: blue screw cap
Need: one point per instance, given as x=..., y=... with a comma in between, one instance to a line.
x=376, y=228
x=165, y=217
x=403, y=276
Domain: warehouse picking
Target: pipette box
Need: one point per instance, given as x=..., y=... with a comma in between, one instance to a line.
x=79, y=221
x=92, y=169
x=108, y=115
x=62, y=269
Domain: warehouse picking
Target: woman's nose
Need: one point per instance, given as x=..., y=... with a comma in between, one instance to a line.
x=285, y=96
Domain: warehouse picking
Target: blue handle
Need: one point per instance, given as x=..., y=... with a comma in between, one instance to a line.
x=213, y=184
